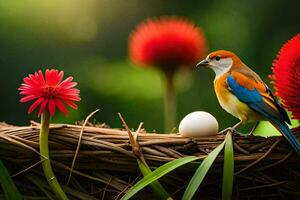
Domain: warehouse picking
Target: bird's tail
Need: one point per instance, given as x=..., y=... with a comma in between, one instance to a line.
x=287, y=133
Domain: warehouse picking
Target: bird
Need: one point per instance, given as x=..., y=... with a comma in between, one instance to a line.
x=242, y=93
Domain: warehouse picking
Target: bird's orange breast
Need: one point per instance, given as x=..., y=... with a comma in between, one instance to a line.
x=221, y=88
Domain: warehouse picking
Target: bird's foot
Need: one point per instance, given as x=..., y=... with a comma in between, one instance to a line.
x=233, y=131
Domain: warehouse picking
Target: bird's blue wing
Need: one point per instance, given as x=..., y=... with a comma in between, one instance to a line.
x=242, y=93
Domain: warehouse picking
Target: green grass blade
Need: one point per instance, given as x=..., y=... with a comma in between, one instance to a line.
x=9, y=188
x=155, y=185
x=158, y=173
x=201, y=172
x=228, y=168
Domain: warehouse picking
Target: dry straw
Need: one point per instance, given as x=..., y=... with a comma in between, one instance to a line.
x=104, y=166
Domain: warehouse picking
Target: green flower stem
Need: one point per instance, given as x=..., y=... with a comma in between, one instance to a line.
x=44, y=151
x=170, y=102
x=155, y=185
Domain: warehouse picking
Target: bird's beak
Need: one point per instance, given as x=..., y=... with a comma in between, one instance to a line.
x=203, y=63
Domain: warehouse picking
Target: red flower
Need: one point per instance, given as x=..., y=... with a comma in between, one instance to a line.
x=49, y=92
x=168, y=42
x=286, y=75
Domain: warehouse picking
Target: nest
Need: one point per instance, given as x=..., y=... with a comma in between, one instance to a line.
x=105, y=166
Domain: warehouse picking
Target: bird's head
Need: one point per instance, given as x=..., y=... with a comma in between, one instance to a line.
x=221, y=61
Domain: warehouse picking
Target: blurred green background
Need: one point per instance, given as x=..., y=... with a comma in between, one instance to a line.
x=88, y=39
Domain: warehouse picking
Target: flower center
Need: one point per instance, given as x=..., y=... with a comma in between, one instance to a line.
x=50, y=91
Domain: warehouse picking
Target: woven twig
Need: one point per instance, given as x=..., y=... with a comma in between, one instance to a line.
x=105, y=166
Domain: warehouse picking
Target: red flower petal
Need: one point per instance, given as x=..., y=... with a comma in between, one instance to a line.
x=51, y=106
x=27, y=98
x=35, y=104
x=71, y=104
x=61, y=106
x=43, y=107
x=66, y=81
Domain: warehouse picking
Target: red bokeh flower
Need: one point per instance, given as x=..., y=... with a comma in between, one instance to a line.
x=167, y=42
x=286, y=75
x=49, y=92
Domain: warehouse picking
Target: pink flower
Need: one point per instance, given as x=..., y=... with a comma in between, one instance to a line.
x=167, y=42
x=286, y=75
x=49, y=92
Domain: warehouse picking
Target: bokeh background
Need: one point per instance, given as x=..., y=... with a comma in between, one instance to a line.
x=88, y=39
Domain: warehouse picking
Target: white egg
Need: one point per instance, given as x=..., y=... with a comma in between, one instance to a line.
x=198, y=124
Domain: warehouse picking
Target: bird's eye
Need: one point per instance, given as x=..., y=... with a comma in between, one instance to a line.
x=217, y=58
